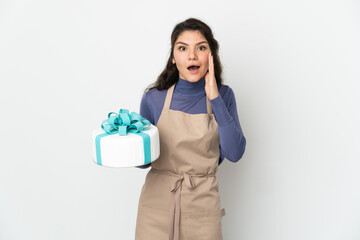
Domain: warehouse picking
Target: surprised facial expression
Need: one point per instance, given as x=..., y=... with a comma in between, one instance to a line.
x=191, y=55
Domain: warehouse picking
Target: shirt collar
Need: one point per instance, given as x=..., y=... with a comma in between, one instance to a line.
x=187, y=88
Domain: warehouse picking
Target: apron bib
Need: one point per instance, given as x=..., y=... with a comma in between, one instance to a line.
x=180, y=197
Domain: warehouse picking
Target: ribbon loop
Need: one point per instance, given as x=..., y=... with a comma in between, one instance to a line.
x=124, y=122
x=137, y=126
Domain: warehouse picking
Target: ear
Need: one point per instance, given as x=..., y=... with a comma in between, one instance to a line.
x=173, y=61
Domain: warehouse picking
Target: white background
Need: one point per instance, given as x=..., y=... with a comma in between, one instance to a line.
x=294, y=68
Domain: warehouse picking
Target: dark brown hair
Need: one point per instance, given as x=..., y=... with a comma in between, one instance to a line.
x=170, y=74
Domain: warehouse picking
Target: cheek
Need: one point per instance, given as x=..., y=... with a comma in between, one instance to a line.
x=178, y=59
x=205, y=61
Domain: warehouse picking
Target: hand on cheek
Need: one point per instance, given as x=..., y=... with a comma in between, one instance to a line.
x=210, y=81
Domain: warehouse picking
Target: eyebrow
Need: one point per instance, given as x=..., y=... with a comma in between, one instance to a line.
x=188, y=44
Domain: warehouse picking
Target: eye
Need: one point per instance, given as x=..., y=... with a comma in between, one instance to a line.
x=202, y=48
x=182, y=48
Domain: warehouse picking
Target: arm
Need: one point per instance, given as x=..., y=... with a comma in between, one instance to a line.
x=232, y=139
x=145, y=113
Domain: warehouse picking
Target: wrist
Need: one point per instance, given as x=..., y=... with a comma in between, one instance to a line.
x=213, y=96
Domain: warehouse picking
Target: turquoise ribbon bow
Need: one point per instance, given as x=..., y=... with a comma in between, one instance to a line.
x=123, y=123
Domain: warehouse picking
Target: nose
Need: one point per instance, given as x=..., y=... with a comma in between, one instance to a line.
x=192, y=54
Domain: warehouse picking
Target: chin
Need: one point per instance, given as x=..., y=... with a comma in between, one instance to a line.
x=193, y=78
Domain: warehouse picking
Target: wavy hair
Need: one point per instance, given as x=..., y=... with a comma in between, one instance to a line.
x=170, y=74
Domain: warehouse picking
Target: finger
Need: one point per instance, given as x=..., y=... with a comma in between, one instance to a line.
x=206, y=75
x=211, y=63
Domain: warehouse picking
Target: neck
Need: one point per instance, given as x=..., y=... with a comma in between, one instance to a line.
x=187, y=88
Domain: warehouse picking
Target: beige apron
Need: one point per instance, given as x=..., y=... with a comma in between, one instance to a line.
x=180, y=198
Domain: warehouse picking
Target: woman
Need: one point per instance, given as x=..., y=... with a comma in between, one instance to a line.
x=180, y=197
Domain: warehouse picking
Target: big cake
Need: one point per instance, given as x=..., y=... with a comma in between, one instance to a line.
x=125, y=140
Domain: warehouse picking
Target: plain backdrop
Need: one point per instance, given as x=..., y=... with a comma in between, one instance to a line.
x=294, y=68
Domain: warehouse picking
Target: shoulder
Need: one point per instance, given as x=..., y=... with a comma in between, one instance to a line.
x=153, y=99
x=225, y=89
x=153, y=95
x=152, y=103
x=226, y=93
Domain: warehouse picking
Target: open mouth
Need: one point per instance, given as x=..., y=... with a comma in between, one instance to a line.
x=193, y=67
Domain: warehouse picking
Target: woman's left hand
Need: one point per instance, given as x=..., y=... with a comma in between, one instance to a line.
x=211, y=88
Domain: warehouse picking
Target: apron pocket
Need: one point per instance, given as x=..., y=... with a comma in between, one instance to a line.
x=152, y=224
x=202, y=226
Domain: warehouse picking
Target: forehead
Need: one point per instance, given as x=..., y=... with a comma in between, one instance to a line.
x=190, y=37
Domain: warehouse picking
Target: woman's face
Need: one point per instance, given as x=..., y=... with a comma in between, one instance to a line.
x=191, y=55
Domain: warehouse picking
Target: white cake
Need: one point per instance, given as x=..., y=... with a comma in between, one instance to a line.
x=125, y=151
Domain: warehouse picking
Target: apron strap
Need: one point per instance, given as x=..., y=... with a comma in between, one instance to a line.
x=169, y=95
x=208, y=105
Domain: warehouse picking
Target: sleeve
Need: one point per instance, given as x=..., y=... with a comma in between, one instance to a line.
x=146, y=113
x=145, y=110
x=232, y=139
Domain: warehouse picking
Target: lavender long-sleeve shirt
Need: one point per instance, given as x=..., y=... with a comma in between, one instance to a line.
x=190, y=97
